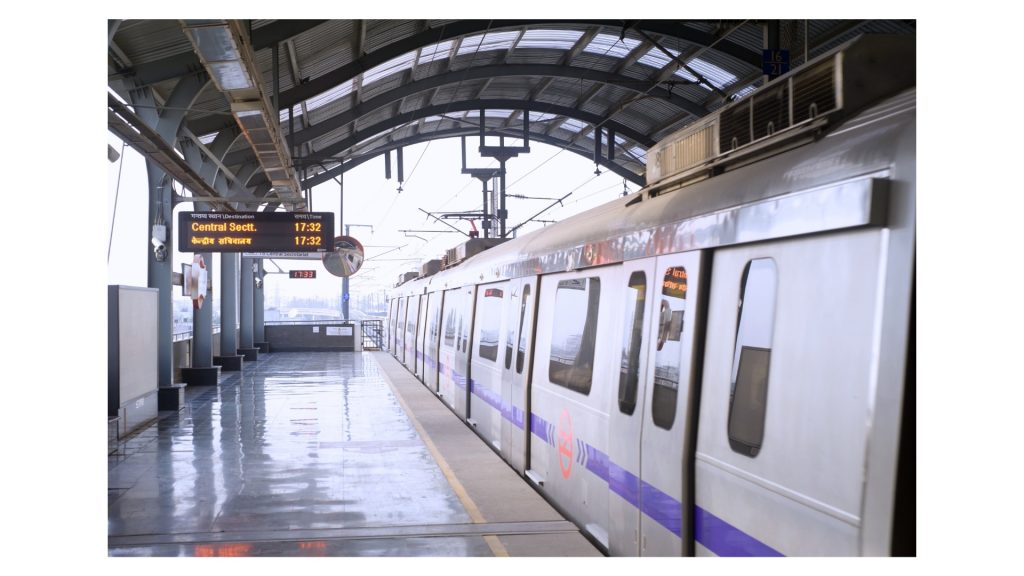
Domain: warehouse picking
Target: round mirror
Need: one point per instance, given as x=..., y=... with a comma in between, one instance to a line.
x=347, y=257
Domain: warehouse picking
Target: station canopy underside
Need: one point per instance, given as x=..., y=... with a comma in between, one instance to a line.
x=336, y=93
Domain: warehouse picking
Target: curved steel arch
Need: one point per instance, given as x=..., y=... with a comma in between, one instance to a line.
x=465, y=27
x=462, y=106
x=494, y=71
x=638, y=179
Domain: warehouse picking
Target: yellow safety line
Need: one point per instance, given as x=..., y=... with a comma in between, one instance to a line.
x=497, y=548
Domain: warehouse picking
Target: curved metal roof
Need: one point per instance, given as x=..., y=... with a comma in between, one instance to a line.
x=347, y=91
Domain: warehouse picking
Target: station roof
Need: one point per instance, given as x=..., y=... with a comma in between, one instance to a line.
x=341, y=92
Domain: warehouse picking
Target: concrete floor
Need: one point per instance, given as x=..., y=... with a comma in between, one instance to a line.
x=322, y=454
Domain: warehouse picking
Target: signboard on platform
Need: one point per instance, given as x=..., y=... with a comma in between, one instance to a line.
x=253, y=232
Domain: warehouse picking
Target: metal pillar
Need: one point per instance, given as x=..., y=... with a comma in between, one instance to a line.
x=202, y=323
x=245, y=290
x=228, y=304
x=258, y=327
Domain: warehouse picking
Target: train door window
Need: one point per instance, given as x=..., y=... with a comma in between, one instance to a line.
x=510, y=334
x=749, y=393
x=521, y=353
x=435, y=313
x=449, y=327
x=631, y=341
x=489, y=317
x=669, y=348
x=411, y=317
x=575, y=333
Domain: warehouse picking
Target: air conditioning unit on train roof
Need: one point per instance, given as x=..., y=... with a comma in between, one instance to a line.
x=430, y=268
x=407, y=276
x=469, y=249
x=823, y=91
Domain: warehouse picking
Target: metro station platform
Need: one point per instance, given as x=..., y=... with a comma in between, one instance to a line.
x=323, y=454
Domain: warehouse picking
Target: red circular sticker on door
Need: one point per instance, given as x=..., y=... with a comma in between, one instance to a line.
x=565, y=443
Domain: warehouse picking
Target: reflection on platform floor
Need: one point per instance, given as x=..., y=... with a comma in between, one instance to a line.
x=300, y=454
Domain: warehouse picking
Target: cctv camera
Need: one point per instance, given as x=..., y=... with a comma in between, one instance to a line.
x=159, y=250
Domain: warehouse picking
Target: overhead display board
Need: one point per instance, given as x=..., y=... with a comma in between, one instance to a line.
x=302, y=273
x=283, y=232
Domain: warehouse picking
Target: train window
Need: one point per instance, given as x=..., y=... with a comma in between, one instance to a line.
x=521, y=353
x=748, y=399
x=575, y=334
x=489, y=317
x=631, y=341
x=669, y=350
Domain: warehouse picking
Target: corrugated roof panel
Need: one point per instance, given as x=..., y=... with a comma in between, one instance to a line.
x=488, y=41
x=329, y=96
x=535, y=56
x=415, y=101
x=434, y=52
x=397, y=64
x=544, y=38
x=573, y=125
x=151, y=40
x=380, y=33
x=330, y=109
x=510, y=87
x=478, y=59
x=610, y=45
x=318, y=52
x=595, y=62
x=387, y=84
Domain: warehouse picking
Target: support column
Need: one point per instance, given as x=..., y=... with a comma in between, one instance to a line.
x=245, y=290
x=258, y=324
x=203, y=372
x=229, y=358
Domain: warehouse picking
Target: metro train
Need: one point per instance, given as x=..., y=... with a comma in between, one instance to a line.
x=721, y=363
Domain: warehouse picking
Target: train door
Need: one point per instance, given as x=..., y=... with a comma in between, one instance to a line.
x=400, y=330
x=789, y=380
x=431, y=350
x=392, y=322
x=412, y=314
x=670, y=397
x=486, y=406
x=626, y=412
x=570, y=390
x=515, y=371
x=453, y=379
x=421, y=333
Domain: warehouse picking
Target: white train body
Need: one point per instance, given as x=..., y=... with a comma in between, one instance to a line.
x=720, y=364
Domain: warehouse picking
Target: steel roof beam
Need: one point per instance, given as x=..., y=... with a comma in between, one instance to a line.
x=487, y=72
x=322, y=177
x=466, y=27
x=490, y=103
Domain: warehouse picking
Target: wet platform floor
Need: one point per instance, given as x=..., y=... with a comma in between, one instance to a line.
x=322, y=454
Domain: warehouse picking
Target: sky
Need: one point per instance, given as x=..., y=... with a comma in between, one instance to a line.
x=969, y=312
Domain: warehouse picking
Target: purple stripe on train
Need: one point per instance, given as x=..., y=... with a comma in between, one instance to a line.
x=712, y=532
x=724, y=539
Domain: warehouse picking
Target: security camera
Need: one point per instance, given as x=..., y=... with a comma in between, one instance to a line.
x=159, y=250
x=159, y=242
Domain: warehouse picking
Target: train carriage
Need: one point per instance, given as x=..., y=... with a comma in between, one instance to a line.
x=718, y=363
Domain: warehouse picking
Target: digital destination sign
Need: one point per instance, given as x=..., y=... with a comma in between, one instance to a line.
x=289, y=232
x=302, y=273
